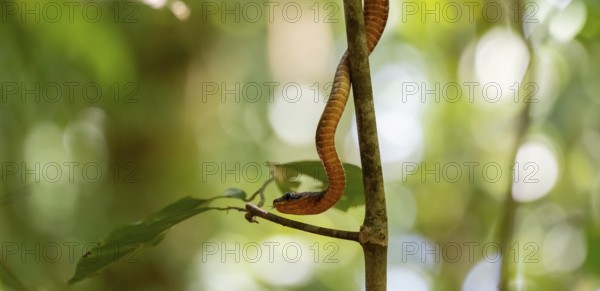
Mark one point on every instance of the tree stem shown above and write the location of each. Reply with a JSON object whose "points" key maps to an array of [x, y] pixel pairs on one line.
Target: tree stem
{"points": [[374, 231]]}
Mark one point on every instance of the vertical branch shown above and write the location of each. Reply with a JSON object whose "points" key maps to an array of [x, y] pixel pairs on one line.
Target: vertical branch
{"points": [[374, 231], [510, 205], [507, 224]]}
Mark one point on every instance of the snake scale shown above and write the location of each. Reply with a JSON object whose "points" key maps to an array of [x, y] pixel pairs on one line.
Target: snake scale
{"points": [[305, 203]]}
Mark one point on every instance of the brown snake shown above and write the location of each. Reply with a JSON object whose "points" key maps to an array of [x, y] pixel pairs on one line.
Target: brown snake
{"points": [[375, 14]]}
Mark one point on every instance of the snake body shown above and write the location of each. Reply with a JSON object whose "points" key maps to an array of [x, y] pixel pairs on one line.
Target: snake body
{"points": [[305, 203]]}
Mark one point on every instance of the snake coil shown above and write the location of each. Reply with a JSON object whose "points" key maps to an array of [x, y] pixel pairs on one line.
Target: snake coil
{"points": [[305, 203]]}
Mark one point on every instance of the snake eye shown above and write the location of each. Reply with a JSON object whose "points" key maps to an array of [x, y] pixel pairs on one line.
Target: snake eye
{"points": [[289, 196]]}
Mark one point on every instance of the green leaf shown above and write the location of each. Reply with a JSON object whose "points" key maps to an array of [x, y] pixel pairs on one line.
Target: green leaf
{"points": [[235, 193], [128, 239], [286, 176]]}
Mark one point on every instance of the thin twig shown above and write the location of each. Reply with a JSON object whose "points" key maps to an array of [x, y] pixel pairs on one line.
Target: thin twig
{"points": [[240, 209], [253, 211], [261, 191]]}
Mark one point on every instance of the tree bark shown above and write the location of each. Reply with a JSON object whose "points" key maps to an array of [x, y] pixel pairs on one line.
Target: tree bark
{"points": [[374, 231]]}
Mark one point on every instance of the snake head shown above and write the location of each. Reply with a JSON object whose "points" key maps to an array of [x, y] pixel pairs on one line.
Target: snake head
{"points": [[297, 203]]}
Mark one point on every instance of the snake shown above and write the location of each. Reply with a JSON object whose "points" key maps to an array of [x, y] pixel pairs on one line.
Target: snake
{"points": [[307, 203]]}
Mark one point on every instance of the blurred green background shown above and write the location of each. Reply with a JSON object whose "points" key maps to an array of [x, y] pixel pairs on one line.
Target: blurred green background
{"points": [[111, 110]]}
